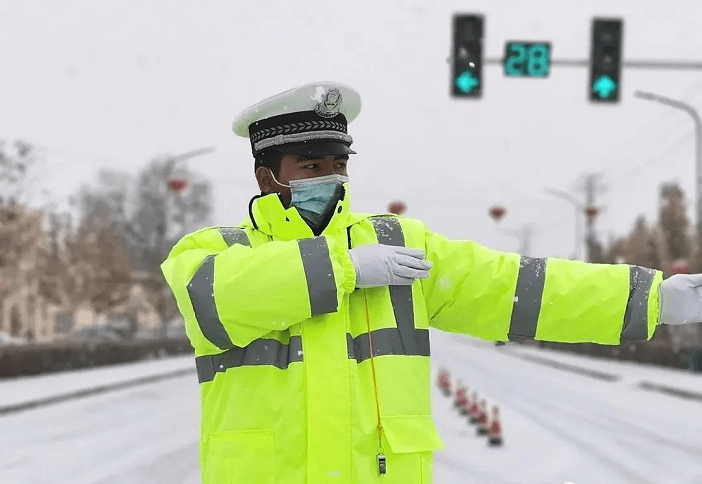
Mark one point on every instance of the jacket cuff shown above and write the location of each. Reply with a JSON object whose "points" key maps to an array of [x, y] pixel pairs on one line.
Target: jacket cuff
{"points": [[348, 272], [654, 304]]}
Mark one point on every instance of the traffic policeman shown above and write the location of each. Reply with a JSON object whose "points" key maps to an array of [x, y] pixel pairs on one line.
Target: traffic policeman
{"points": [[310, 322]]}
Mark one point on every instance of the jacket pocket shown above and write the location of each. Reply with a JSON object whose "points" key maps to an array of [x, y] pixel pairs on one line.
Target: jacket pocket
{"points": [[240, 457], [411, 440], [411, 433]]}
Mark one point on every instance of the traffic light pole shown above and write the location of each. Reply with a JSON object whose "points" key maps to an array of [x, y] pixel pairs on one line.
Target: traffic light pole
{"points": [[698, 144], [634, 64], [579, 209]]}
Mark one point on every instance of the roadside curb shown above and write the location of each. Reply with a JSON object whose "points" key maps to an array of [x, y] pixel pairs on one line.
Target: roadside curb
{"points": [[43, 402], [600, 375], [644, 385], [677, 392]]}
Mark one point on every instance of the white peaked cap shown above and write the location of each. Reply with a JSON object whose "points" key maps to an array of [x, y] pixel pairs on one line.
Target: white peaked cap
{"points": [[308, 119], [303, 98]]}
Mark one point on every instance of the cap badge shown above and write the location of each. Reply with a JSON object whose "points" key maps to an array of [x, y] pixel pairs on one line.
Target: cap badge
{"points": [[330, 104]]}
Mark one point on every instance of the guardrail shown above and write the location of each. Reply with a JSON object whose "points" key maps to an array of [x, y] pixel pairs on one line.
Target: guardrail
{"points": [[644, 352]]}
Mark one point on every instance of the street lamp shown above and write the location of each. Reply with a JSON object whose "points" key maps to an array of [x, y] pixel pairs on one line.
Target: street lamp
{"points": [[496, 212], [698, 143], [172, 161], [578, 215], [524, 237], [176, 185]]}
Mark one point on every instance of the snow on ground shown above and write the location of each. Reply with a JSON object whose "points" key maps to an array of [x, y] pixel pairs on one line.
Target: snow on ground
{"points": [[16, 391], [559, 426], [143, 434]]}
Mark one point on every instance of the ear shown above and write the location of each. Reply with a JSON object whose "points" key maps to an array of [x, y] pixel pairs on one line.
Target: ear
{"points": [[265, 180]]}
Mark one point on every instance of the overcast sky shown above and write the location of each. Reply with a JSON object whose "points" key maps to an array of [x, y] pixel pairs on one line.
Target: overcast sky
{"points": [[112, 84]]}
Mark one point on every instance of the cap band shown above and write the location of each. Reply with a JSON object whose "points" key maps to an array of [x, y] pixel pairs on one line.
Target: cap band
{"points": [[299, 127], [283, 139]]}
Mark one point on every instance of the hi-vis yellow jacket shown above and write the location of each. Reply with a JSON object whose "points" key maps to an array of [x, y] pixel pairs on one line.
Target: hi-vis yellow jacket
{"points": [[298, 370]]}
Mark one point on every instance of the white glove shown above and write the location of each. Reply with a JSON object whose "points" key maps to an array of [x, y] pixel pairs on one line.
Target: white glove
{"points": [[681, 299], [387, 265]]}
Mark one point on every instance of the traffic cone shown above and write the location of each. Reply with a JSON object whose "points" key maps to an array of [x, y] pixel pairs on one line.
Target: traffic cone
{"points": [[474, 409], [464, 404], [482, 419], [445, 382], [460, 394], [495, 431]]}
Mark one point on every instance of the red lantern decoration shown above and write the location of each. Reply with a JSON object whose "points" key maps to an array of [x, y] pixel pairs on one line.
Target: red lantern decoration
{"points": [[177, 184], [397, 207], [497, 212], [591, 211], [679, 267]]}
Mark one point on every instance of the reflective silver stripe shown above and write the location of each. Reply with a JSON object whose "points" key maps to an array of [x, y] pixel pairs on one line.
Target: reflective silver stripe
{"points": [[259, 352], [301, 137], [636, 316], [233, 235], [320, 275], [387, 341], [527, 298], [389, 232], [201, 291], [350, 346]]}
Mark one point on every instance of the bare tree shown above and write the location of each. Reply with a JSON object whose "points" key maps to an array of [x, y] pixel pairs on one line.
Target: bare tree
{"points": [[16, 162], [616, 252], [654, 249], [637, 244], [128, 225], [674, 222], [163, 215], [596, 250]]}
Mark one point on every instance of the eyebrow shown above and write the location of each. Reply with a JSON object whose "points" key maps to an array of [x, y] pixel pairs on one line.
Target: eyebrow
{"points": [[310, 158]]}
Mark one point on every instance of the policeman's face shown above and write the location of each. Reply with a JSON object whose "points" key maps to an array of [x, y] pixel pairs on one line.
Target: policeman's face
{"points": [[297, 167]]}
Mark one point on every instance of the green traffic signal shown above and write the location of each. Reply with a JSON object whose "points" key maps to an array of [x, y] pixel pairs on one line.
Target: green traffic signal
{"points": [[604, 86], [466, 82]]}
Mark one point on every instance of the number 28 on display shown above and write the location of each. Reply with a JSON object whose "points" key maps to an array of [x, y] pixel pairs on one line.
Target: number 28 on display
{"points": [[527, 59]]}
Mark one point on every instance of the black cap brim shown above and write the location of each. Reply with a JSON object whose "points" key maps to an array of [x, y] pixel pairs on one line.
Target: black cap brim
{"points": [[315, 148]]}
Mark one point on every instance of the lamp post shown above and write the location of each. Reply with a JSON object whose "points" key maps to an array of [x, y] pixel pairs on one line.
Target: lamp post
{"points": [[578, 215], [175, 185], [524, 237], [496, 212], [698, 145]]}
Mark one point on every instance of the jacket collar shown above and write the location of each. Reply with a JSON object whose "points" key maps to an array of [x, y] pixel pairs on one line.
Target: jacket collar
{"points": [[270, 217]]}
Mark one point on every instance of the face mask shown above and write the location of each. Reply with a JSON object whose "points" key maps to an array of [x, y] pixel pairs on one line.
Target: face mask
{"points": [[312, 197]]}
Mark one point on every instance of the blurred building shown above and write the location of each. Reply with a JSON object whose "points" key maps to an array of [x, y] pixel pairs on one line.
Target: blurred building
{"points": [[24, 312], [30, 312]]}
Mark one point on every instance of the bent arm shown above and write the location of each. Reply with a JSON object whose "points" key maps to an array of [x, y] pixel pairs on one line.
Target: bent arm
{"points": [[230, 296]]}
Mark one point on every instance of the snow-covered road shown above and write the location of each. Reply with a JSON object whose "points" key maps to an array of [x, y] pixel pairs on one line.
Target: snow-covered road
{"points": [[559, 425], [146, 434]]}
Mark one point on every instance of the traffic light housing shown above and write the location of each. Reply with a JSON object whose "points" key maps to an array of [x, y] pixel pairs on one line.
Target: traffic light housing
{"points": [[606, 60], [467, 56]]}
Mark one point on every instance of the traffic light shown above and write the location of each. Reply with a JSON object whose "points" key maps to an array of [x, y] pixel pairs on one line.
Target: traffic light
{"points": [[467, 56], [606, 60]]}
